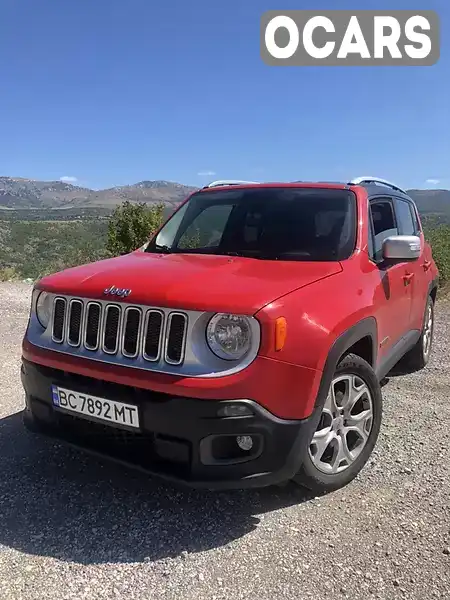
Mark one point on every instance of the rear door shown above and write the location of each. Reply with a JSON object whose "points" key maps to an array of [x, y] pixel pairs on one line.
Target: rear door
{"points": [[408, 224], [393, 294]]}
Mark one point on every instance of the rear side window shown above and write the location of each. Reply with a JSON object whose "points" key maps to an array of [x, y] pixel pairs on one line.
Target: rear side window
{"points": [[384, 225], [405, 217]]}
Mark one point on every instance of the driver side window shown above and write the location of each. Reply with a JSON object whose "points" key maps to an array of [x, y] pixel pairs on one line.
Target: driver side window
{"points": [[383, 225]]}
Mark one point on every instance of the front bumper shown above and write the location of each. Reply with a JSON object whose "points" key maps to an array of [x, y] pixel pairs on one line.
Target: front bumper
{"points": [[181, 439]]}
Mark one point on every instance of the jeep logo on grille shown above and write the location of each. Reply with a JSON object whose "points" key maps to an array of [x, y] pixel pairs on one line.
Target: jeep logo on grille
{"points": [[114, 291]]}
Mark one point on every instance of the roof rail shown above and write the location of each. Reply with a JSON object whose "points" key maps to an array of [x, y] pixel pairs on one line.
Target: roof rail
{"points": [[221, 182], [362, 180]]}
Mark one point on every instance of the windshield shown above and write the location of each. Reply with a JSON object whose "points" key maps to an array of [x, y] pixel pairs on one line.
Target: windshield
{"points": [[310, 224]]}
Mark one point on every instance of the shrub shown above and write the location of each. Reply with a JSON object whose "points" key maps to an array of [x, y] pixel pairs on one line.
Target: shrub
{"points": [[439, 238], [131, 226], [8, 274]]}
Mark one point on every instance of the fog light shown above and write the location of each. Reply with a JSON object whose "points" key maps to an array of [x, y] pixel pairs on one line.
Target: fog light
{"points": [[230, 449], [234, 410], [244, 442]]}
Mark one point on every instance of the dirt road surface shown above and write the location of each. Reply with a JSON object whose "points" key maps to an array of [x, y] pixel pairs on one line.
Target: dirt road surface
{"points": [[73, 527]]}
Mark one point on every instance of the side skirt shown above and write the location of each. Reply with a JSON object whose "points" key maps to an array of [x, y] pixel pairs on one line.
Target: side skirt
{"points": [[397, 352]]}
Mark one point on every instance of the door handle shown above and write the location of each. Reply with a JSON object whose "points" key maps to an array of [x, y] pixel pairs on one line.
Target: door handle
{"points": [[407, 278], [426, 265]]}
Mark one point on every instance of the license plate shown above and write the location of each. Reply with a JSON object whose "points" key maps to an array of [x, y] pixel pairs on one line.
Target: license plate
{"points": [[95, 409]]}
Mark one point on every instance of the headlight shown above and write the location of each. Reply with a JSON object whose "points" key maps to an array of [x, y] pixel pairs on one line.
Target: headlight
{"points": [[229, 336], [43, 309]]}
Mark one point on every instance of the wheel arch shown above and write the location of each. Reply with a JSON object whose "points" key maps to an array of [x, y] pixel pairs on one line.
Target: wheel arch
{"points": [[360, 339], [433, 288]]}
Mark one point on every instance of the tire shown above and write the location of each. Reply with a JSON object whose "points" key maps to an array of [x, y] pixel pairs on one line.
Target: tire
{"points": [[328, 467], [418, 357]]}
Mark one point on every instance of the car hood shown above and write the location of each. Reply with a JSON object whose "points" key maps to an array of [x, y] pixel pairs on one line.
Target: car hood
{"points": [[190, 282]]}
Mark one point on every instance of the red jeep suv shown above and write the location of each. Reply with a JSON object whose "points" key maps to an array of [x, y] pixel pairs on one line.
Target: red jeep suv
{"points": [[246, 343]]}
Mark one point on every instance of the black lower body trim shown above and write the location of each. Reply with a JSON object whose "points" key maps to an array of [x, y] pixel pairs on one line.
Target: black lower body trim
{"points": [[181, 439], [396, 353]]}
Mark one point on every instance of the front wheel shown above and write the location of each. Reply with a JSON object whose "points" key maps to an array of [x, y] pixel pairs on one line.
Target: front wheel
{"points": [[347, 430]]}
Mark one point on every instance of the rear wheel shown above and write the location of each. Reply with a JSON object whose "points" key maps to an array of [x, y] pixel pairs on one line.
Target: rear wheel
{"points": [[417, 358], [347, 430]]}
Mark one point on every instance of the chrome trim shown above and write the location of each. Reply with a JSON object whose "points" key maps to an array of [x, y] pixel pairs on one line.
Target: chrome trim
{"points": [[88, 305], [124, 329], [198, 360], [52, 319], [67, 329], [167, 334], [161, 335], [115, 291], [119, 328]]}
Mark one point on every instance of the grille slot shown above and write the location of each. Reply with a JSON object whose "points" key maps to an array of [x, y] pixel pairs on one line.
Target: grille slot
{"points": [[92, 330], [111, 329], [176, 338], [75, 319], [152, 334], [130, 342], [59, 317]]}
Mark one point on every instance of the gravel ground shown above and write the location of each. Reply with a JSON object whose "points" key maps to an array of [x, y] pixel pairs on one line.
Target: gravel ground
{"points": [[72, 527]]}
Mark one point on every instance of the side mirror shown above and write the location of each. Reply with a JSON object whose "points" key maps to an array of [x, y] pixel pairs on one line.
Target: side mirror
{"points": [[401, 247]]}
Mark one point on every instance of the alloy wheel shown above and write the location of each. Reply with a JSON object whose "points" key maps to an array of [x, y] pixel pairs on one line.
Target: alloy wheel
{"points": [[345, 425]]}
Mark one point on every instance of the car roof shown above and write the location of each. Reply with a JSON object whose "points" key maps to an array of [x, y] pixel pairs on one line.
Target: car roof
{"points": [[374, 186], [277, 184]]}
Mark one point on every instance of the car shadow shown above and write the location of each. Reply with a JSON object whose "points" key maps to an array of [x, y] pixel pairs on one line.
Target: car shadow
{"points": [[59, 502], [401, 369]]}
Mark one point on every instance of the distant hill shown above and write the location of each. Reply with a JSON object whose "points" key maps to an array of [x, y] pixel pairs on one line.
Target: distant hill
{"points": [[432, 202], [19, 193], [16, 192]]}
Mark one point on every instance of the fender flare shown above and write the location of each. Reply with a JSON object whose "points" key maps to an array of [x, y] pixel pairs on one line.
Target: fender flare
{"points": [[433, 285], [358, 331]]}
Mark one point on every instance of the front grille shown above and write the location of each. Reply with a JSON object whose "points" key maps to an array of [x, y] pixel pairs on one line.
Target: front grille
{"points": [[75, 316], [153, 328], [59, 312], [111, 329], [131, 332], [114, 329], [177, 327], [92, 331]]}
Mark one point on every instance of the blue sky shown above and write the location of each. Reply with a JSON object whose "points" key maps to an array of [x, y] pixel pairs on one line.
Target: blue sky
{"points": [[112, 92]]}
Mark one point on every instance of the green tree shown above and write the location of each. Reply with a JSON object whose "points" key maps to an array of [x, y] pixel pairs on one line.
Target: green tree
{"points": [[439, 238], [131, 225]]}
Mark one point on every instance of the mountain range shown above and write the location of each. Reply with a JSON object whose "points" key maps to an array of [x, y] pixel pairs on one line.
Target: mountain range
{"points": [[17, 193], [20, 193]]}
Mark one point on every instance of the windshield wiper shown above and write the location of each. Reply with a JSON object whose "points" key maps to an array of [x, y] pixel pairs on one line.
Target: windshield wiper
{"points": [[163, 249], [229, 253], [243, 254]]}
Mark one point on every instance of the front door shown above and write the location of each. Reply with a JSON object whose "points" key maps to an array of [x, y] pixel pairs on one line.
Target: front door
{"points": [[393, 295]]}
